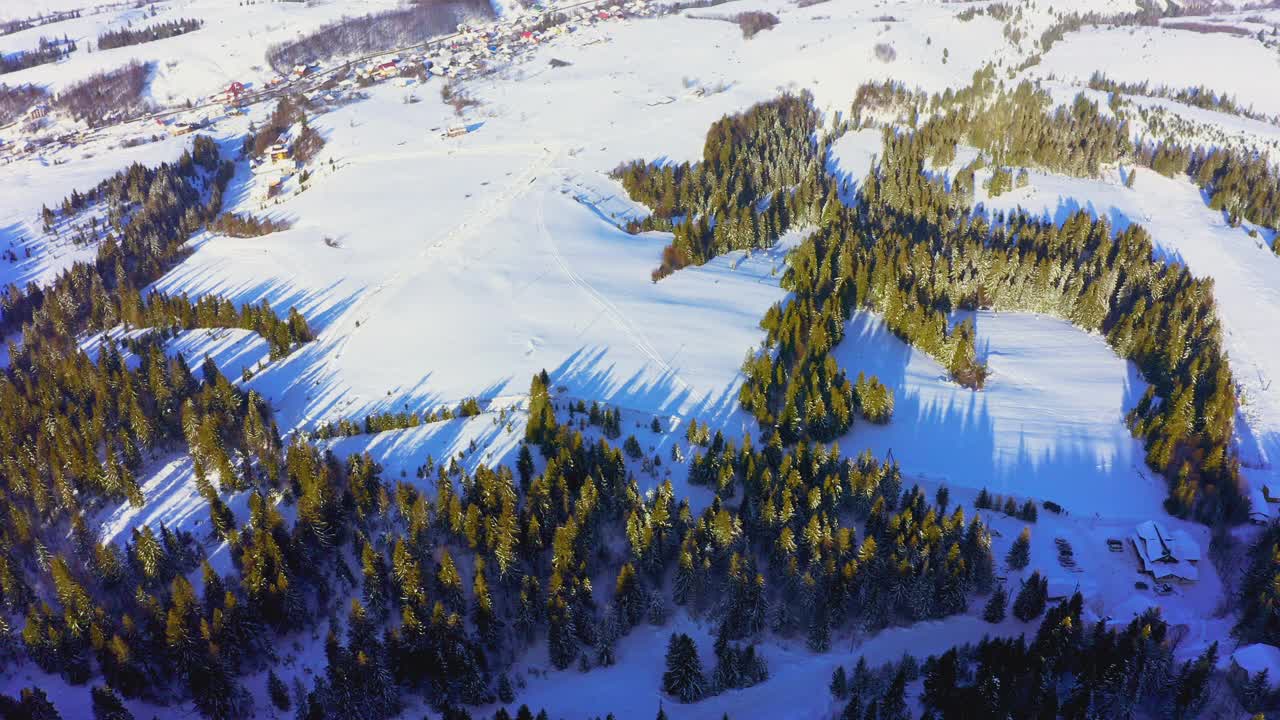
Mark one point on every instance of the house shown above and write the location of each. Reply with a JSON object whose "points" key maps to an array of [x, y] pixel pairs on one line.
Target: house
{"points": [[233, 92], [387, 69], [278, 152], [456, 131], [1166, 555], [1255, 658]]}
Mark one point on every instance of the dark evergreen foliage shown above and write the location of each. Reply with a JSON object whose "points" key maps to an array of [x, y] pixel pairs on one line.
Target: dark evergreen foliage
{"points": [[683, 678], [994, 611], [1260, 591], [47, 51], [1032, 598], [130, 35]]}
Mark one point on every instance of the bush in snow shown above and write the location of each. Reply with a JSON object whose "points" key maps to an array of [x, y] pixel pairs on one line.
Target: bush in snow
{"points": [[755, 21]]}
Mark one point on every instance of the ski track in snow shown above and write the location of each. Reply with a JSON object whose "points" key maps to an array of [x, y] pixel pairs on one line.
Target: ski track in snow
{"points": [[339, 334], [607, 307]]}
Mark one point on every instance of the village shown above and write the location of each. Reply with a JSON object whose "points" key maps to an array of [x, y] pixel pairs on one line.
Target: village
{"points": [[474, 50]]}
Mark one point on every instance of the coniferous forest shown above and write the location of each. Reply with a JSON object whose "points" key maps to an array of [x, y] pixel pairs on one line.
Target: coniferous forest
{"points": [[159, 31], [912, 249]]}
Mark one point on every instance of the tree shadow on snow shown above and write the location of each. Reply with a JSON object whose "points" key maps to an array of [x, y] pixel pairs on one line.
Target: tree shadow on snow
{"points": [[948, 434]]}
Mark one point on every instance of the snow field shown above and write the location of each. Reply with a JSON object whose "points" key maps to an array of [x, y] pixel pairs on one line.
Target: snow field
{"points": [[1165, 57]]}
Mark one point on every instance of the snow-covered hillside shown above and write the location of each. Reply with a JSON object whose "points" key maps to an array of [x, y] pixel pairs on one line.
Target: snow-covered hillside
{"points": [[443, 255]]}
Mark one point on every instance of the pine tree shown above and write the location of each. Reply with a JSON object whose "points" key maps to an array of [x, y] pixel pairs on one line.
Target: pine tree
{"points": [[839, 683], [506, 693], [1031, 598], [606, 640], [893, 706], [683, 678], [32, 704], [995, 607], [1020, 552], [1191, 688], [524, 465], [984, 500], [277, 691], [107, 705], [629, 598], [1254, 693]]}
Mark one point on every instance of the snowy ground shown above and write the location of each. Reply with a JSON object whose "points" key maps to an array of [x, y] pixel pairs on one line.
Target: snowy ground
{"points": [[230, 45], [1245, 270], [232, 350], [30, 184], [1164, 57], [1049, 424]]}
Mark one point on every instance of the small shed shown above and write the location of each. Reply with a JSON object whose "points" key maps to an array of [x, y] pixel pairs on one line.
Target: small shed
{"points": [[1060, 587]]}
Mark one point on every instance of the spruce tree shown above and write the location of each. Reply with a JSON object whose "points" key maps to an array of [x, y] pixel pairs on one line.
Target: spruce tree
{"points": [[839, 683], [506, 693], [995, 607], [1031, 598], [277, 691], [1020, 552], [107, 705], [683, 678], [1191, 688]]}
